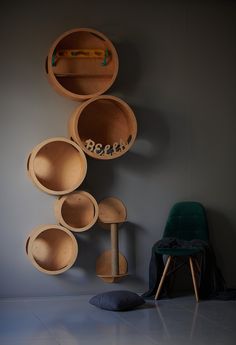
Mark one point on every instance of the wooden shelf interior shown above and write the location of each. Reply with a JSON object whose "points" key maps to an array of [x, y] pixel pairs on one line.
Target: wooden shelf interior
{"points": [[58, 166], [52, 250], [77, 211], [84, 76], [105, 120]]}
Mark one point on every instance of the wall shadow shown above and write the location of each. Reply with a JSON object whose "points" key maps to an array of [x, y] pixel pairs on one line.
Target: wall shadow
{"points": [[89, 249], [151, 146], [223, 238], [149, 152], [129, 67], [100, 177]]}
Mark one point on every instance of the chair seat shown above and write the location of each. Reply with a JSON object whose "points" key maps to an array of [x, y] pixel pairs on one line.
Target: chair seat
{"points": [[178, 251]]}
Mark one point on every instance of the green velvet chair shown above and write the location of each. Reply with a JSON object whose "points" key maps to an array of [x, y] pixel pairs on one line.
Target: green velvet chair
{"points": [[187, 223]]}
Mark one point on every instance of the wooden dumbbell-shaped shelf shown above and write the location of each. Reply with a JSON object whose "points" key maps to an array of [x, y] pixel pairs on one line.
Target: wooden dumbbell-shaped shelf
{"points": [[111, 265]]}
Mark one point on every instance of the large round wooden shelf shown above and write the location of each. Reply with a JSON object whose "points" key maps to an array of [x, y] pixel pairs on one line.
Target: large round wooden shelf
{"points": [[57, 166], [82, 63], [105, 127], [104, 267], [77, 211], [52, 249]]}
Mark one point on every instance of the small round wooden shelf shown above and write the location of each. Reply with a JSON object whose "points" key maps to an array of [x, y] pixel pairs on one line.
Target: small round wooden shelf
{"points": [[57, 166], [104, 267], [105, 127], [52, 249], [112, 211], [77, 211], [82, 63]]}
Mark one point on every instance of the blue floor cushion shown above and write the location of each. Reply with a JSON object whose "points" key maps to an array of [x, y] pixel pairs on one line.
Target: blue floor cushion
{"points": [[117, 300]]}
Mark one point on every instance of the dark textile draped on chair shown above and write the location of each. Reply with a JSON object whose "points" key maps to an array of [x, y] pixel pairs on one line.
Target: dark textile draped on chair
{"points": [[186, 236], [212, 284]]}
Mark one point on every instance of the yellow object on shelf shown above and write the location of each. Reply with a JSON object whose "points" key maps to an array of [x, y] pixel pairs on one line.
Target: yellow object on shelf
{"points": [[81, 53]]}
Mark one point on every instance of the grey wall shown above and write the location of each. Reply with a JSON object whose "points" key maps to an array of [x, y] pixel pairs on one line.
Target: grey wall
{"points": [[178, 72]]}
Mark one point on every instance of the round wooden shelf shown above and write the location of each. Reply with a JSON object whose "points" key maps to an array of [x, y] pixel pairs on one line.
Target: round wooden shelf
{"points": [[77, 211], [104, 267], [57, 166], [82, 63], [111, 211], [52, 249], [105, 127]]}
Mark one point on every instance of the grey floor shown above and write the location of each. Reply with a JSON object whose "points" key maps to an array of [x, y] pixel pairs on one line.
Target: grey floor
{"points": [[73, 321]]}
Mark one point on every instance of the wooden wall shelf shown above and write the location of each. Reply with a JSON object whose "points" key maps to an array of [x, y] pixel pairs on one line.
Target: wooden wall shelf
{"points": [[92, 76], [105, 127], [57, 166], [52, 249], [77, 211]]}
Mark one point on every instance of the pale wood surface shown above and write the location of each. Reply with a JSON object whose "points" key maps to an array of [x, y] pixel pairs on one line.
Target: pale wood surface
{"points": [[52, 249], [163, 276], [193, 278], [114, 250], [57, 166], [105, 127], [77, 211], [112, 210], [113, 278], [104, 267], [90, 77]]}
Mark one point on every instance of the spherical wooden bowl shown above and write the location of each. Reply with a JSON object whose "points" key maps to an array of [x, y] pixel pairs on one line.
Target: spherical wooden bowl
{"points": [[82, 63], [105, 127], [77, 211], [52, 249], [57, 166]]}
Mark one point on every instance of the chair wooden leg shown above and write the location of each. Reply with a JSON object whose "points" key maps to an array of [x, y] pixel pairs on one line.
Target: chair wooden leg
{"points": [[194, 278], [163, 276], [197, 265]]}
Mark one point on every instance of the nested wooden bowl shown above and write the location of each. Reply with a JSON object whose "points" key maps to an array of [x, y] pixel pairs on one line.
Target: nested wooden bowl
{"points": [[77, 211], [105, 127], [52, 249], [82, 63], [57, 166]]}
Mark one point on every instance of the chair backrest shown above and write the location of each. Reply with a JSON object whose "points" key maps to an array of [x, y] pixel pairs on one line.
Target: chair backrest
{"points": [[187, 221]]}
